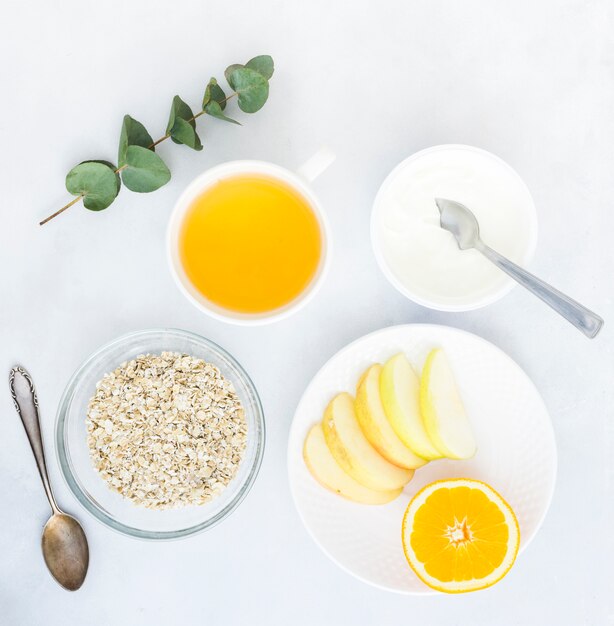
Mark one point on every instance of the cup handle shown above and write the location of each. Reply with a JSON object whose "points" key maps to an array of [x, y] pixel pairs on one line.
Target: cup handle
{"points": [[317, 164]]}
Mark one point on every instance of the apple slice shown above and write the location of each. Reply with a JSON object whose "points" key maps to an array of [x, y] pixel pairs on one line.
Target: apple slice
{"points": [[329, 474], [400, 390], [442, 409], [375, 425], [354, 453]]}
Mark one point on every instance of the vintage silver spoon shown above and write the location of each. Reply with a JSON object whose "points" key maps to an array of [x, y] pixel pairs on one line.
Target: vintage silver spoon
{"points": [[461, 222], [64, 544]]}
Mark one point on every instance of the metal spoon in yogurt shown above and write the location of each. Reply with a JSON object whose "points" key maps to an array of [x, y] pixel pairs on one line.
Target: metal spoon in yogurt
{"points": [[461, 222], [64, 543]]}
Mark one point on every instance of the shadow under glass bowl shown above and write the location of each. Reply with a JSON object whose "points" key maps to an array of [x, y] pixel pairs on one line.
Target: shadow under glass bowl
{"points": [[109, 507]]}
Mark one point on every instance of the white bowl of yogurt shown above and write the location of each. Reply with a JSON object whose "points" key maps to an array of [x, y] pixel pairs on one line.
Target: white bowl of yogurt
{"points": [[420, 258]]}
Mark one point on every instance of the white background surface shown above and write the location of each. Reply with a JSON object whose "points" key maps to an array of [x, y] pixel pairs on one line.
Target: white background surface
{"points": [[531, 81]]}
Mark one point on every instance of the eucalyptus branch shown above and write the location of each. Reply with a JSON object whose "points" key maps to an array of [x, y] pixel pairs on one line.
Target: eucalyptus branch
{"points": [[97, 183]]}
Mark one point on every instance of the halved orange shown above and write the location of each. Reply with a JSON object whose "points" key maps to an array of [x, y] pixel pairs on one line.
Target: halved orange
{"points": [[460, 535]]}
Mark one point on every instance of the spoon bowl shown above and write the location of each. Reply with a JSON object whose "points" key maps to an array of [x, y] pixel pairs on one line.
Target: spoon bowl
{"points": [[460, 221], [65, 550]]}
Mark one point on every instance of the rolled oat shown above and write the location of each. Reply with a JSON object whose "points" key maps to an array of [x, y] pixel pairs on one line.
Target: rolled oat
{"points": [[166, 430]]}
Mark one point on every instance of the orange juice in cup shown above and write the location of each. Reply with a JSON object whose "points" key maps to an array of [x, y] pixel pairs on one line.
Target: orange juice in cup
{"points": [[248, 242]]}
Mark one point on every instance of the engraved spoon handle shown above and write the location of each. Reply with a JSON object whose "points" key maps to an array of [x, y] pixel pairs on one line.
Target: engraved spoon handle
{"points": [[582, 318], [26, 403]]}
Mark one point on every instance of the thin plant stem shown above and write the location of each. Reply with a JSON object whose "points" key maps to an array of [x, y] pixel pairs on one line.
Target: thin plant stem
{"points": [[66, 206], [155, 143]]}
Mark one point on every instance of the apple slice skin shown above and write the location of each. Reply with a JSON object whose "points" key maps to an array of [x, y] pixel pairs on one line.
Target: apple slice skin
{"points": [[375, 424], [353, 452], [400, 391], [329, 474], [442, 409]]}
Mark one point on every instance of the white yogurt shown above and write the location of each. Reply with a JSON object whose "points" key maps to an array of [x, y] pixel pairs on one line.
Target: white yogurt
{"points": [[420, 258]]}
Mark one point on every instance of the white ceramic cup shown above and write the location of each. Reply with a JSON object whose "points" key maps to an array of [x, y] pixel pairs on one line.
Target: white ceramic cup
{"points": [[300, 182]]}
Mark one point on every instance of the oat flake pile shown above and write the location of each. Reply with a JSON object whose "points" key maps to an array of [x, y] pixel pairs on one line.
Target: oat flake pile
{"points": [[166, 430]]}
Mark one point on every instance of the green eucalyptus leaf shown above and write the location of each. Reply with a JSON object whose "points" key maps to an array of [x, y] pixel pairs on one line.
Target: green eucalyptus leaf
{"points": [[179, 109], [252, 88], [214, 93], [144, 170], [113, 167], [228, 72], [133, 134], [181, 125], [183, 132], [96, 181], [215, 110], [262, 64]]}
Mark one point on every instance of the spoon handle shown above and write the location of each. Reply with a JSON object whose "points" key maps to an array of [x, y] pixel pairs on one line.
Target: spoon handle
{"points": [[582, 318], [26, 403]]}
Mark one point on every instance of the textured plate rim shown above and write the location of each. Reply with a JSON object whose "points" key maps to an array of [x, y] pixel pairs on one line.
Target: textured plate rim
{"points": [[348, 348]]}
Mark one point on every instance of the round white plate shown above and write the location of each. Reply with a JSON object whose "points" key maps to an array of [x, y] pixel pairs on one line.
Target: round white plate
{"points": [[516, 450]]}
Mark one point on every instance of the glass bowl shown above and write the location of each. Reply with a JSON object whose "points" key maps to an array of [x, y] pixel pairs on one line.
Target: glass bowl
{"points": [[90, 489]]}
